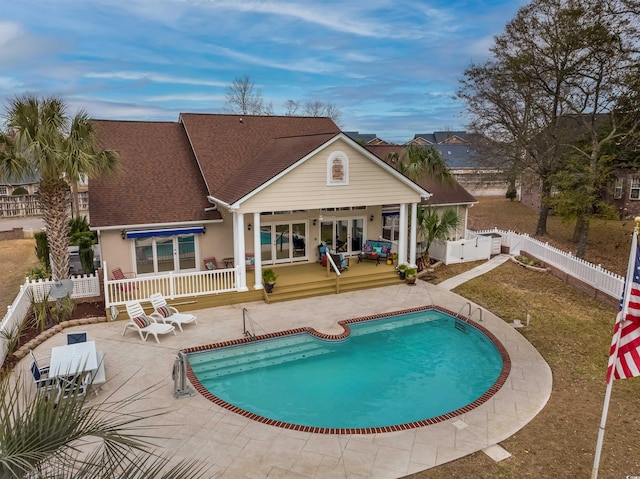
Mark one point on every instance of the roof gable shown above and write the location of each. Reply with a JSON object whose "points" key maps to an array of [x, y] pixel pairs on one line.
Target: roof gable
{"points": [[229, 148]]}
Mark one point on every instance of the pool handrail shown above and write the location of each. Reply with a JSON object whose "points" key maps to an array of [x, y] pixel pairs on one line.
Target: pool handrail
{"points": [[471, 313]]}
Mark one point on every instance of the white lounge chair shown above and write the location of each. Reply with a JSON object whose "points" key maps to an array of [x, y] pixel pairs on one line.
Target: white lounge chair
{"points": [[145, 324], [169, 314]]}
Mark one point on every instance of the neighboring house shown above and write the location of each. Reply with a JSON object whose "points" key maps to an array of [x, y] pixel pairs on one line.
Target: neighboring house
{"points": [[624, 192], [444, 196], [457, 149], [365, 138], [29, 183], [15, 202], [232, 186]]}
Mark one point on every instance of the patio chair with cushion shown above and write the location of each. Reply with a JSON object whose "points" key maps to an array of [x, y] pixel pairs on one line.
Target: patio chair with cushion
{"points": [[340, 261], [145, 324], [73, 385], [77, 337], [169, 314], [211, 264], [118, 274], [41, 375]]}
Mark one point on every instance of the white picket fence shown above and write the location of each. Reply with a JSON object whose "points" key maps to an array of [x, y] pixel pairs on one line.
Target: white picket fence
{"points": [[83, 287], [595, 276], [173, 285]]}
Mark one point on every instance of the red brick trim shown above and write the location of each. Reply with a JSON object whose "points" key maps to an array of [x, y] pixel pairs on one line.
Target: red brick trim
{"points": [[502, 377]]}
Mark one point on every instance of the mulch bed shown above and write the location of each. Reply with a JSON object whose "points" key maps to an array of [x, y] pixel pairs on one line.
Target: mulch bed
{"points": [[95, 309]]}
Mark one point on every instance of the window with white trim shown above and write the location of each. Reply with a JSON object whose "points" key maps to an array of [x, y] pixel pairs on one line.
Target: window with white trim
{"points": [[4, 191], [634, 191], [337, 169], [617, 188]]}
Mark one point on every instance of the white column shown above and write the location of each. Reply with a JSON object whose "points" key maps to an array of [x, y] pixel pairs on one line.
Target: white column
{"points": [[239, 250], [402, 235], [414, 237], [257, 251]]}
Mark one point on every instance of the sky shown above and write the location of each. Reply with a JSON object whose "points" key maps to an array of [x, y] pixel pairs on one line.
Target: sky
{"points": [[392, 67]]}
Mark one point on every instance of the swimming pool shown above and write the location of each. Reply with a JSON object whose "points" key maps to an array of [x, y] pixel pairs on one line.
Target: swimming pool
{"points": [[384, 373]]}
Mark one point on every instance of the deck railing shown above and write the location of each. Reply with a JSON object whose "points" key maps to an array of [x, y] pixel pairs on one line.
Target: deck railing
{"points": [[171, 285]]}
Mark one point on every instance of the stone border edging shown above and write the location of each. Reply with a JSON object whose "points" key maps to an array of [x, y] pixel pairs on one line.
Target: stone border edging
{"points": [[23, 350]]}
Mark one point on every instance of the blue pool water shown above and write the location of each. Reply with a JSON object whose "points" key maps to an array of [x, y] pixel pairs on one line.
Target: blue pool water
{"points": [[389, 371]]}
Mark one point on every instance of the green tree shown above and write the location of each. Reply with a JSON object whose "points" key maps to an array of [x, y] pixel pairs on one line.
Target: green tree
{"points": [[433, 226], [74, 438], [82, 156], [40, 138], [556, 60]]}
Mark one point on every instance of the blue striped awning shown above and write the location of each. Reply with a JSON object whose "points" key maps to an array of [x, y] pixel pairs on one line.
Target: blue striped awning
{"points": [[130, 234]]}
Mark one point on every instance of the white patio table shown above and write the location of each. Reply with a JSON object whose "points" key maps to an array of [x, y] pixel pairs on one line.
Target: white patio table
{"points": [[73, 359]]}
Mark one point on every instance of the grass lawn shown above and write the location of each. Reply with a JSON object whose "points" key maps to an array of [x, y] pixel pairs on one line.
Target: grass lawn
{"points": [[16, 257], [573, 333]]}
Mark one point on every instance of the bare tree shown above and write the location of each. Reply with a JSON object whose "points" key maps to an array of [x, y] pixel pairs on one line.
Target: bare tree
{"points": [[557, 59], [291, 107], [318, 108], [244, 98]]}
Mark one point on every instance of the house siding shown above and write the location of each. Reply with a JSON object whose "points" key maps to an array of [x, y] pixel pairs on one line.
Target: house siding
{"points": [[305, 187]]}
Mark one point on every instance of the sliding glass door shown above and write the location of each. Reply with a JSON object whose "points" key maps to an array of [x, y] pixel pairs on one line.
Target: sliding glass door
{"points": [[162, 254], [344, 235], [283, 242]]}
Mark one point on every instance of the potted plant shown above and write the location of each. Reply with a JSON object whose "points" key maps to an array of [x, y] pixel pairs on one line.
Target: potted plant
{"points": [[269, 279], [411, 276], [402, 271]]}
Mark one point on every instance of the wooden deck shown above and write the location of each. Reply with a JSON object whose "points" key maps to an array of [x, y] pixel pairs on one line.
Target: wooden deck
{"points": [[296, 281]]}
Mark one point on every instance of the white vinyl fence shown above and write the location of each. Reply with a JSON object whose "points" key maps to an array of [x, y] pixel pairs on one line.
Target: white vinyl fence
{"points": [[589, 273], [461, 251], [83, 287]]}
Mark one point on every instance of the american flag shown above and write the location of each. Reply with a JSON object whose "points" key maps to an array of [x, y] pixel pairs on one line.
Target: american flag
{"points": [[624, 356]]}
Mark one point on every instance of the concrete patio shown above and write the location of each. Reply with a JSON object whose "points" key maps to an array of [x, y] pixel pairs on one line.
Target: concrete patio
{"points": [[237, 447]]}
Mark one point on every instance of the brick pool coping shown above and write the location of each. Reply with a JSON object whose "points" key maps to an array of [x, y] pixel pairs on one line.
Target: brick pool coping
{"points": [[502, 377]]}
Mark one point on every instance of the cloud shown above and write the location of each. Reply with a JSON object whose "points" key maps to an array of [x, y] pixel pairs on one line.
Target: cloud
{"points": [[340, 17], [19, 47], [154, 77]]}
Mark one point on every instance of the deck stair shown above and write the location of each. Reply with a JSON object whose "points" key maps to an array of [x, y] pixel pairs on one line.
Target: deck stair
{"points": [[231, 360], [329, 285]]}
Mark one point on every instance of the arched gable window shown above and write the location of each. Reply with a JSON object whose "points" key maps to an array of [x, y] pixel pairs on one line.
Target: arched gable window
{"points": [[337, 169]]}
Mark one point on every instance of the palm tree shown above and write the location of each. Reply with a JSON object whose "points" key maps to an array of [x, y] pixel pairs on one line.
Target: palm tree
{"points": [[416, 162], [77, 439], [83, 157], [41, 139], [433, 226]]}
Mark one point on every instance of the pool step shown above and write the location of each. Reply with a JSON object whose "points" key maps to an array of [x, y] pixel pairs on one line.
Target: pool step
{"points": [[239, 361]]}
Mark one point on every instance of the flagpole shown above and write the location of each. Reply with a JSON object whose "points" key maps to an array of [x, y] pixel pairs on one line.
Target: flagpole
{"points": [[607, 397]]}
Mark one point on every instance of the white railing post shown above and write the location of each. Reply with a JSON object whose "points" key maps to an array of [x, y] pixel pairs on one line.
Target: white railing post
{"points": [[105, 282]]}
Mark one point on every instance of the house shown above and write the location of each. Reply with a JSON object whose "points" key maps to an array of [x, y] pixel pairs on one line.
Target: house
{"points": [[251, 191], [443, 196], [18, 196], [467, 165], [365, 138]]}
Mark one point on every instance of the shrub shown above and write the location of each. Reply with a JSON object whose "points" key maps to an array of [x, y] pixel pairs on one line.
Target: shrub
{"points": [[511, 194], [42, 248]]}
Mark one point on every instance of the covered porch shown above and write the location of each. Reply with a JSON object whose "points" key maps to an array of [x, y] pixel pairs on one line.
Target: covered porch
{"points": [[206, 289]]}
